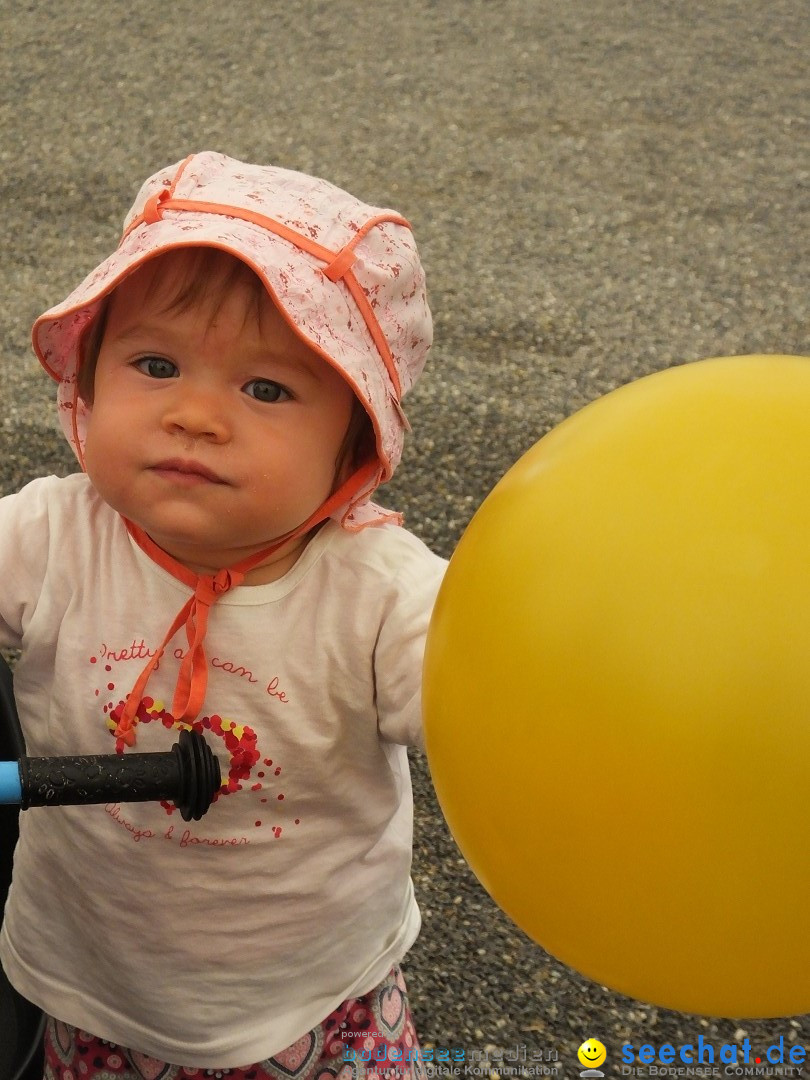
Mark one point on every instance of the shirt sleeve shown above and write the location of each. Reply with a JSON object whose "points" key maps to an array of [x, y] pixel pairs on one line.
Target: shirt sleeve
{"points": [[401, 648], [24, 544]]}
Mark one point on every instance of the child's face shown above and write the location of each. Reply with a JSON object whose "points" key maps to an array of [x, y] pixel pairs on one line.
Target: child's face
{"points": [[214, 428]]}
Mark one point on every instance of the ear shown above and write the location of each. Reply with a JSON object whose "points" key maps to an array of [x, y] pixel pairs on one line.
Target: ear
{"points": [[345, 466], [359, 446]]}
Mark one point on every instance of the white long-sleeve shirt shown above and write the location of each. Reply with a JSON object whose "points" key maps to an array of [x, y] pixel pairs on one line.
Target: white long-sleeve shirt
{"points": [[214, 943]]}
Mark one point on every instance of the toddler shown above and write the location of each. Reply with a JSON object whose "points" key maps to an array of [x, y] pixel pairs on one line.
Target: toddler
{"points": [[230, 380]]}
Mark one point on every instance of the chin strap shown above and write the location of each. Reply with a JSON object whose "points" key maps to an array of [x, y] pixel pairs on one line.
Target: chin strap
{"points": [[192, 679]]}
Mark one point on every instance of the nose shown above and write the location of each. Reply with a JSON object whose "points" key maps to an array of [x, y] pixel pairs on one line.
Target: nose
{"points": [[197, 413]]}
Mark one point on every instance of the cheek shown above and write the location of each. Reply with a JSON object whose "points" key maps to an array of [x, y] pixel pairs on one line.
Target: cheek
{"points": [[105, 444], [339, 422], [93, 439], [97, 458], [97, 436]]}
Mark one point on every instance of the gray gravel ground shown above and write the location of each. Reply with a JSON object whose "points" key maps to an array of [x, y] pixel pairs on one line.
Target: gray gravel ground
{"points": [[600, 188]]}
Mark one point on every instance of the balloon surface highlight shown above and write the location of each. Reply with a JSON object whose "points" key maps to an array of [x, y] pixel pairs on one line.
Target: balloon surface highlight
{"points": [[617, 689]]}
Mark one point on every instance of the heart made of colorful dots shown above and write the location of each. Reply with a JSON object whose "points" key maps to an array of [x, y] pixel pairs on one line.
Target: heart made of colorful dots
{"points": [[239, 740]]}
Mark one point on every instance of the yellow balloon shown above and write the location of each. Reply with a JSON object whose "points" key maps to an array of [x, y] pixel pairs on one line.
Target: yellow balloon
{"points": [[617, 689]]}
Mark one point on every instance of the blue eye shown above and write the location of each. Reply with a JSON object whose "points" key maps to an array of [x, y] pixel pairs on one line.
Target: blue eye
{"points": [[157, 367], [266, 390]]}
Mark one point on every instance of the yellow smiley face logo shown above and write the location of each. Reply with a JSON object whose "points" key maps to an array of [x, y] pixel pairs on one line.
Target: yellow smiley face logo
{"points": [[592, 1054]]}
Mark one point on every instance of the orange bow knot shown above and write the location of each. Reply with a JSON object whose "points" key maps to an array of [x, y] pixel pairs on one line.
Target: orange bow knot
{"points": [[209, 588]]}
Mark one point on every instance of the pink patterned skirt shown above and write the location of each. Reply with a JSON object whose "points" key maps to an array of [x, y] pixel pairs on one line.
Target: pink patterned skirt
{"points": [[367, 1038]]}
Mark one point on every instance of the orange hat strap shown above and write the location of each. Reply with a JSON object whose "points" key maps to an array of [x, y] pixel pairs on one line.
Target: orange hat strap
{"points": [[192, 680]]}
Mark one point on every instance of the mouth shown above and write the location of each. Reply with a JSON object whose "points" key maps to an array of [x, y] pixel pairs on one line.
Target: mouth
{"points": [[181, 471]]}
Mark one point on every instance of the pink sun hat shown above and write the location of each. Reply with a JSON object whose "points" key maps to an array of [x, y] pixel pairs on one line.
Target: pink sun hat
{"points": [[345, 275]]}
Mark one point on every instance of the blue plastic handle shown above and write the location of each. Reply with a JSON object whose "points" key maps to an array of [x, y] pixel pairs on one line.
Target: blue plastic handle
{"points": [[10, 783]]}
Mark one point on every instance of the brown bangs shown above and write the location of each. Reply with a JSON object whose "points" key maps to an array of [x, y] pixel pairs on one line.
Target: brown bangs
{"points": [[191, 277]]}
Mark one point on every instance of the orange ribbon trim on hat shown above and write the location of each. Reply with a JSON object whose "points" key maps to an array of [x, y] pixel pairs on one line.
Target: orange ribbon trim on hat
{"points": [[192, 679], [338, 263]]}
